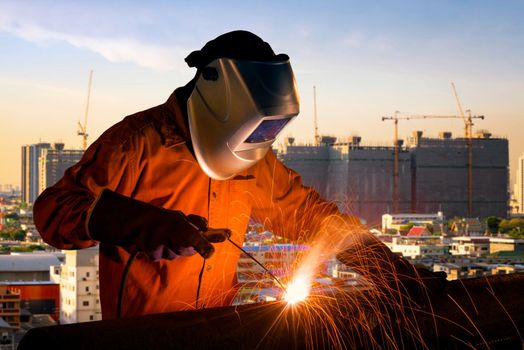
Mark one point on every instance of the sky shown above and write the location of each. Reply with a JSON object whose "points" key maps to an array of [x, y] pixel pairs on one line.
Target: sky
{"points": [[367, 59]]}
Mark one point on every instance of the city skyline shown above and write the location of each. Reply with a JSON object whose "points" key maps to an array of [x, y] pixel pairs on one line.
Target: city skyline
{"points": [[366, 61]]}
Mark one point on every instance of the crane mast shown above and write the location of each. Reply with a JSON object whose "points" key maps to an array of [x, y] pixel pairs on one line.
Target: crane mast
{"points": [[82, 128], [468, 135], [317, 137], [395, 119]]}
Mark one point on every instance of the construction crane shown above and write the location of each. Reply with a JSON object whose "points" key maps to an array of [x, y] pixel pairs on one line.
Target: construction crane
{"points": [[82, 128], [395, 119], [315, 121], [468, 133]]}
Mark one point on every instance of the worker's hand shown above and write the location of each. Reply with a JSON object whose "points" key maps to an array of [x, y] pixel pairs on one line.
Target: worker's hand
{"points": [[160, 233], [390, 273]]}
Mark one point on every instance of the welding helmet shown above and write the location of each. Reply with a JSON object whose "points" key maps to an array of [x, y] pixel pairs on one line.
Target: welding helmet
{"points": [[237, 109]]}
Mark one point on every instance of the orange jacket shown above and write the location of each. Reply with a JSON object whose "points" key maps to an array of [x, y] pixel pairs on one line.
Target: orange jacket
{"points": [[146, 157]]}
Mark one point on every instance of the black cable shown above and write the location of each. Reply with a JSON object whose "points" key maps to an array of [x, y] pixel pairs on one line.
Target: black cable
{"points": [[199, 283], [123, 285]]}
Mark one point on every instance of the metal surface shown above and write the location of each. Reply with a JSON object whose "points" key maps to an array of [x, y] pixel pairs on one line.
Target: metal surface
{"points": [[482, 313]]}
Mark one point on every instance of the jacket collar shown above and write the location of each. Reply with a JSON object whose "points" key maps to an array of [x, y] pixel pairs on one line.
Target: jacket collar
{"points": [[175, 127]]}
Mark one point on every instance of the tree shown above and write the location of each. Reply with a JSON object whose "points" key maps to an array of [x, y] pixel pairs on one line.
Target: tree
{"points": [[12, 233], [12, 216], [516, 234], [513, 226], [492, 222], [517, 222], [18, 235], [504, 226]]}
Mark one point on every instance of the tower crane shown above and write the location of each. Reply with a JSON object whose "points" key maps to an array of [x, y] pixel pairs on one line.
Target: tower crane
{"points": [[317, 137], [395, 119], [468, 135], [82, 128]]}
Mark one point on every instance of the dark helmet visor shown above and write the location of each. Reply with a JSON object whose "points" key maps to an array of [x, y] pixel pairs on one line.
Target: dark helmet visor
{"points": [[267, 130]]}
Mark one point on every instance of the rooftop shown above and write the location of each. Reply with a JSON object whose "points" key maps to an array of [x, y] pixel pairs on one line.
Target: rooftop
{"points": [[27, 262], [27, 283]]}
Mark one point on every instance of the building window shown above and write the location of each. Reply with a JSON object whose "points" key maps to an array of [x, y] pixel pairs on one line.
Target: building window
{"points": [[87, 288], [87, 274], [85, 303], [91, 317]]}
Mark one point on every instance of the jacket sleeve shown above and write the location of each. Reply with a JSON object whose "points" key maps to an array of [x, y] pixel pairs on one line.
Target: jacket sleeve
{"points": [[60, 212], [285, 206]]}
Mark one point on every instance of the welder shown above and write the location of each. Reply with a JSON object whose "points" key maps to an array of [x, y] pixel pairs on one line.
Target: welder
{"points": [[167, 185]]}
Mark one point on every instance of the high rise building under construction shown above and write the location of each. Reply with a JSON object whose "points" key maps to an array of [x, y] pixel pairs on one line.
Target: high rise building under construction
{"points": [[43, 165], [432, 175]]}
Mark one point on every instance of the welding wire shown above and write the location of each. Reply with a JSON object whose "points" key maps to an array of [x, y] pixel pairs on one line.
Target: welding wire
{"points": [[250, 256], [259, 263]]}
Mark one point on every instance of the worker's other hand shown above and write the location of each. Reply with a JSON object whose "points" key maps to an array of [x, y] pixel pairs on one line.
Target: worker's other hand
{"points": [[159, 233], [388, 272]]}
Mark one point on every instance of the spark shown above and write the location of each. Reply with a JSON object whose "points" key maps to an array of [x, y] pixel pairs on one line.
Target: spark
{"points": [[298, 290]]}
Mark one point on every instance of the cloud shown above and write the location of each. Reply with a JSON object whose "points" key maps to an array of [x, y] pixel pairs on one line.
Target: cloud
{"points": [[118, 49], [42, 87]]}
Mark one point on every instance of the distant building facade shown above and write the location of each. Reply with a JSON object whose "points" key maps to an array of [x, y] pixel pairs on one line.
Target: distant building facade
{"points": [[10, 306], [53, 163], [518, 190], [43, 165], [467, 227], [27, 275], [79, 286], [512, 245], [359, 179], [414, 247], [470, 246], [460, 270], [432, 175], [18, 267], [400, 222], [37, 297], [30, 174]]}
